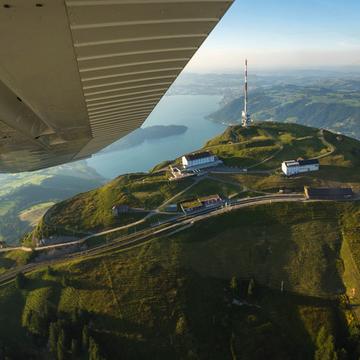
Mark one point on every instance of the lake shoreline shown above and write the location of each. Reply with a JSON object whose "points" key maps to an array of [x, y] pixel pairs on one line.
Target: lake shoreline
{"points": [[183, 110]]}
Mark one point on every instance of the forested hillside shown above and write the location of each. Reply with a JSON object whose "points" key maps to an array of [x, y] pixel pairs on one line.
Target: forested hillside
{"points": [[173, 297], [22, 195]]}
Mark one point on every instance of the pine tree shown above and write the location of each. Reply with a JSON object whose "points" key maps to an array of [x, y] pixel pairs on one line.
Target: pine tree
{"points": [[53, 337], [74, 317], [61, 346], [251, 287], [20, 280], [50, 271], [234, 285], [181, 326], [2, 351], [85, 337], [94, 350], [325, 346], [74, 347], [321, 337], [36, 324], [342, 354], [80, 315], [64, 281], [330, 352]]}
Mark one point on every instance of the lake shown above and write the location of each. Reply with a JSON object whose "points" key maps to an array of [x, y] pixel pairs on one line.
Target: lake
{"points": [[188, 110]]}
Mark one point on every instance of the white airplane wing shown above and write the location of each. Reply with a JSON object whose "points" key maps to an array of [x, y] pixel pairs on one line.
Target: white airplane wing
{"points": [[76, 75]]}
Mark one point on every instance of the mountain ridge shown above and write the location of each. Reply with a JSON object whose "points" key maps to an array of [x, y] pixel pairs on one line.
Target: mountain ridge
{"points": [[269, 280], [337, 109], [239, 147]]}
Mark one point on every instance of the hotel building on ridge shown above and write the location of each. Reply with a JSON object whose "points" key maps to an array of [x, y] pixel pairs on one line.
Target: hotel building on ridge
{"points": [[294, 167]]}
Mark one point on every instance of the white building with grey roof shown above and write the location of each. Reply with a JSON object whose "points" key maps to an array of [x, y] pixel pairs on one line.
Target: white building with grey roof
{"points": [[199, 160], [294, 167]]}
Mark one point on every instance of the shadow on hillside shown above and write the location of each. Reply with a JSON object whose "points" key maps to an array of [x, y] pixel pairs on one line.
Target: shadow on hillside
{"points": [[331, 280], [87, 285], [7, 263], [337, 173], [269, 323], [133, 340]]}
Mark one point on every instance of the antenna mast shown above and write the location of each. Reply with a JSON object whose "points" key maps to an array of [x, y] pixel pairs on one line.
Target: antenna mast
{"points": [[245, 121]]}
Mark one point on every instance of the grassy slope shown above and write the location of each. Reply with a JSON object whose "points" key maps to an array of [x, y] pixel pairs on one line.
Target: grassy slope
{"points": [[91, 211], [21, 191], [350, 253], [272, 243], [140, 295], [14, 258], [210, 186], [341, 168], [34, 214], [247, 147]]}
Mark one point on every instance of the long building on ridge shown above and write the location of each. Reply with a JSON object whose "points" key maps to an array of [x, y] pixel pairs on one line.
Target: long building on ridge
{"points": [[199, 160], [201, 203], [328, 193], [293, 167]]}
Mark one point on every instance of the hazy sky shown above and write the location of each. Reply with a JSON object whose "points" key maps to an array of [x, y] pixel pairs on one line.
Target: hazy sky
{"points": [[283, 33]]}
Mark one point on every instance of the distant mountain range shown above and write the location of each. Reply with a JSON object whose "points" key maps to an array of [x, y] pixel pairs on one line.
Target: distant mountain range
{"points": [[330, 104]]}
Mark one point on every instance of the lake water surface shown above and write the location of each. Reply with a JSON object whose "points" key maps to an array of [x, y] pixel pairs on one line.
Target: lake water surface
{"points": [[188, 110]]}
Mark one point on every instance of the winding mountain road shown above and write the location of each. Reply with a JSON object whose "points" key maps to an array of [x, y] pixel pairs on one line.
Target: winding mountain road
{"points": [[165, 228]]}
